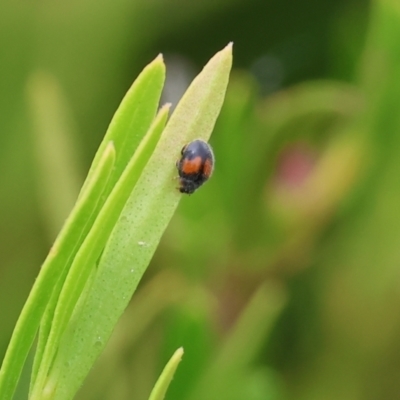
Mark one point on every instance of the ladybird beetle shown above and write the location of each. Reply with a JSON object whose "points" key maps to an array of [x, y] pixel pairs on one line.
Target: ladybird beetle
{"points": [[195, 166]]}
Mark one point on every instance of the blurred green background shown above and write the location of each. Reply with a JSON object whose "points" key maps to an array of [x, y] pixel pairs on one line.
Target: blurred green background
{"points": [[281, 277]]}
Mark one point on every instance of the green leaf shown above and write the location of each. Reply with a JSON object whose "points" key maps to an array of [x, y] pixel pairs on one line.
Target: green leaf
{"points": [[137, 233], [133, 118], [53, 269], [126, 130], [94, 243], [161, 387]]}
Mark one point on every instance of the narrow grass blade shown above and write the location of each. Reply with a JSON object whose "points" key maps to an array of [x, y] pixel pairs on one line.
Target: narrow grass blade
{"points": [[44, 330], [54, 267], [137, 233], [126, 130], [163, 382], [94, 243], [133, 117]]}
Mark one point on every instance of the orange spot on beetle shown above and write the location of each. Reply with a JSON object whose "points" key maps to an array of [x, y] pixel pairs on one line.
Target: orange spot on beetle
{"points": [[192, 166]]}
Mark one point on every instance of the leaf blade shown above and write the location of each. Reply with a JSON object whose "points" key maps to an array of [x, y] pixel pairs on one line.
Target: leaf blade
{"points": [[55, 264], [93, 244], [139, 229], [160, 388]]}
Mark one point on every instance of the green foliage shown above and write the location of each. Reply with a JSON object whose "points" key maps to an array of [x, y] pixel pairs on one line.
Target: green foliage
{"points": [[112, 233], [279, 277], [160, 389]]}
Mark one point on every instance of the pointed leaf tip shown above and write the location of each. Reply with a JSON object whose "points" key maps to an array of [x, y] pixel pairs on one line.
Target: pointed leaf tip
{"points": [[166, 106], [163, 382], [178, 354]]}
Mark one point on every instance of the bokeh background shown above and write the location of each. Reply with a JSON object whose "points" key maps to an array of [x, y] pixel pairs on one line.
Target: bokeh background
{"points": [[281, 276]]}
